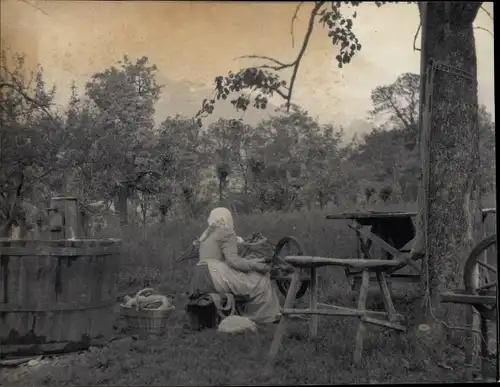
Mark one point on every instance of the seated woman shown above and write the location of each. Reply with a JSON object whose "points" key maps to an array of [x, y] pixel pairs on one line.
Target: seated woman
{"points": [[221, 270]]}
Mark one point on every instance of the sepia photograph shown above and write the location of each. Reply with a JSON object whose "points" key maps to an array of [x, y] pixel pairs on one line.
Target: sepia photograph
{"points": [[209, 193]]}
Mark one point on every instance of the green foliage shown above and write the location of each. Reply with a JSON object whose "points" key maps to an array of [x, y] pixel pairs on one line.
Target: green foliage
{"points": [[340, 31], [26, 123], [250, 79]]}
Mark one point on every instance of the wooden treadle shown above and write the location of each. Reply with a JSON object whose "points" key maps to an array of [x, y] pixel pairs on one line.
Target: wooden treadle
{"points": [[310, 262], [460, 296], [345, 312], [383, 323]]}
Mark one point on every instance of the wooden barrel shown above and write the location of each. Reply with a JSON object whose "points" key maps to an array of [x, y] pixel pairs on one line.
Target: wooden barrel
{"points": [[56, 296]]}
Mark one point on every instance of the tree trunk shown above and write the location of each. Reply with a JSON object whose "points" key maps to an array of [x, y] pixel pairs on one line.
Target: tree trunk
{"points": [[451, 158], [122, 202], [321, 199]]}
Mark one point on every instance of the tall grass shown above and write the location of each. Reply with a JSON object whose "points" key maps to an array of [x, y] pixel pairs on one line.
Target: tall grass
{"points": [[150, 253]]}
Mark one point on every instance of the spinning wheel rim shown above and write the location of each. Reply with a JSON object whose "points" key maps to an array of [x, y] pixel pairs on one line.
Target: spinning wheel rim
{"points": [[283, 285]]}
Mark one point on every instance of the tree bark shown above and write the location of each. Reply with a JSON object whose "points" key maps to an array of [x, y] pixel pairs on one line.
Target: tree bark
{"points": [[122, 202], [453, 200]]}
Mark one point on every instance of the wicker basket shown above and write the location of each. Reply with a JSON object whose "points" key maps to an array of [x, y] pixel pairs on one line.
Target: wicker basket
{"points": [[145, 320]]}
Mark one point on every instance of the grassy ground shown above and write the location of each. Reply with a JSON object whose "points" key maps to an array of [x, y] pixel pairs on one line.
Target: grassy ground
{"points": [[182, 357]]}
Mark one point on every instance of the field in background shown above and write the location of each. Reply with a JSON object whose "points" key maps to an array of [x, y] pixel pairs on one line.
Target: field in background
{"points": [[181, 357]]}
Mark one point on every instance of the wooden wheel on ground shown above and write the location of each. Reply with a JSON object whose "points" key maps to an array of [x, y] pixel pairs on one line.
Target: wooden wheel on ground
{"points": [[288, 246], [486, 259]]}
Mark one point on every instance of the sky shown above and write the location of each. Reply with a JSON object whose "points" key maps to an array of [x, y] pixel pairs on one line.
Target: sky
{"points": [[192, 42]]}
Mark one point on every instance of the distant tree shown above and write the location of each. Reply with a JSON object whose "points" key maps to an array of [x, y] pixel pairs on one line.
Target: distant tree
{"points": [[383, 159], [398, 103], [112, 125], [31, 137], [180, 157], [227, 144], [394, 151], [289, 151]]}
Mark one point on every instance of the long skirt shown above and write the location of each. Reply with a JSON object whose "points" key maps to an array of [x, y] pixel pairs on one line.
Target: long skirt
{"points": [[217, 276]]}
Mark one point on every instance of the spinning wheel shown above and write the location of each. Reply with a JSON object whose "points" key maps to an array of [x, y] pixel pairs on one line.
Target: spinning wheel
{"points": [[282, 271], [487, 261]]}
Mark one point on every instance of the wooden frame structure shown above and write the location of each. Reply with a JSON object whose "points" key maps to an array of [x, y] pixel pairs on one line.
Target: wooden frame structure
{"points": [[388, 318]]}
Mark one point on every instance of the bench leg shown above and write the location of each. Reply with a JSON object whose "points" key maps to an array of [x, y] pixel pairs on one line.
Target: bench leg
{"points": [[363, 294], [280, 331], [313, 298], [484, 346], [386, 297], [472, 323]]}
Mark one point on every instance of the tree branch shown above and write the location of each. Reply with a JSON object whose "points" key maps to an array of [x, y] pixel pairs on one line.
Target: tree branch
{"points": [[396, 109], [415, 37], [280, 65], [484, 29], [487, 12], [293, 22], [36, 7], [302, 51]]}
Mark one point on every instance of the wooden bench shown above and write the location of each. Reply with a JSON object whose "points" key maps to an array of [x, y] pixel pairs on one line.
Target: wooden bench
{"points": [[388, 318]]}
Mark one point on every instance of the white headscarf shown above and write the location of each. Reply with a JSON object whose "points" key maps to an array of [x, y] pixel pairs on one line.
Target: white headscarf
{"points": [[219, 217]]}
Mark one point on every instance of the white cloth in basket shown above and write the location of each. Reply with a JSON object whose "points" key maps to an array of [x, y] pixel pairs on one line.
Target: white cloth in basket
{"points": [[153, 301]]}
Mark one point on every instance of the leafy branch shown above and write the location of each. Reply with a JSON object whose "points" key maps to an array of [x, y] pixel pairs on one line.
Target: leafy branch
{"points": [[264, 78], [28, 99]]}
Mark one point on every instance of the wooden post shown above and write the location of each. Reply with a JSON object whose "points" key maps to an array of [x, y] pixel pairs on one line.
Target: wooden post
{"points": [[83, 217], [360, 336], [64, 220], [313, 297]]}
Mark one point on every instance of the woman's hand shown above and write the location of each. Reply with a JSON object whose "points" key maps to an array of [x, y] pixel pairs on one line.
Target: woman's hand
{"points": [[260, 266], [259, 243]]}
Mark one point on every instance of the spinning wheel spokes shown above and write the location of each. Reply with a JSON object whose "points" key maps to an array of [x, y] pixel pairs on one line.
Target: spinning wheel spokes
{"points": [[487, 286], [482, 260], [288, 246], [486, 266]]}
